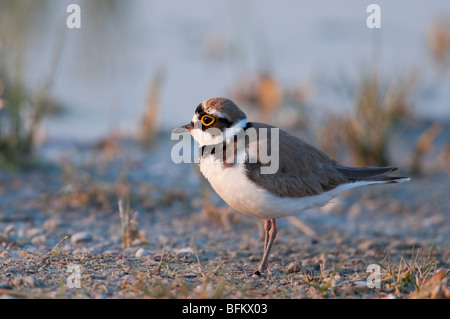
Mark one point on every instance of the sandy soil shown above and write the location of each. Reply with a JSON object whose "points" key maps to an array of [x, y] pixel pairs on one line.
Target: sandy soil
{"points": [[186, 243]]}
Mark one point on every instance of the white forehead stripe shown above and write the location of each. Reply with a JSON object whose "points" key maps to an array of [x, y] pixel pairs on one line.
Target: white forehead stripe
{"points": [[195, 118], [218, 114]]}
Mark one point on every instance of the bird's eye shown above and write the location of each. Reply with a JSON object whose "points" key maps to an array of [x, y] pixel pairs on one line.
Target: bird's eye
{"points": [[208, 120]]}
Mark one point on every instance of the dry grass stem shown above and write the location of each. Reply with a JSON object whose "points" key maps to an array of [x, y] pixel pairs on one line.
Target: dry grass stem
{"points": [[54, 250]]}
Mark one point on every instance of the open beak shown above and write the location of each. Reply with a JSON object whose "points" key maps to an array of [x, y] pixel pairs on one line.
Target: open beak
{"points": [[183, 129]]}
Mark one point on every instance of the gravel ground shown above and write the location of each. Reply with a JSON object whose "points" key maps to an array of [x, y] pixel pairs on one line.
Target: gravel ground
{"points": [[183, 242]]}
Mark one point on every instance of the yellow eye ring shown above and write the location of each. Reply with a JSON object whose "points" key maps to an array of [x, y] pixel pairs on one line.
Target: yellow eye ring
{"points": [[208, 120]]}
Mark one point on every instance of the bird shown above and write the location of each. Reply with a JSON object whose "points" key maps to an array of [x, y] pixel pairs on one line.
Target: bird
{"points": [[304, 177]]}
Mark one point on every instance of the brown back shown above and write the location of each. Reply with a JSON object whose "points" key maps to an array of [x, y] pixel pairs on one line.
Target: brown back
{"points": [[303, 169]]}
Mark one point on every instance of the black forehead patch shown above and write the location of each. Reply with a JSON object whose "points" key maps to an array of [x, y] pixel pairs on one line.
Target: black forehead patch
{"points": [[199, 109]]}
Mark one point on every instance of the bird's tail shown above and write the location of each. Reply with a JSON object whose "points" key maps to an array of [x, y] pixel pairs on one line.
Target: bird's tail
{"points": [[371, 174]]}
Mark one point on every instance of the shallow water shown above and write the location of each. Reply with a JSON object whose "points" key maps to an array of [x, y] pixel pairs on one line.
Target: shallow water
{"points": [[107, 65]]}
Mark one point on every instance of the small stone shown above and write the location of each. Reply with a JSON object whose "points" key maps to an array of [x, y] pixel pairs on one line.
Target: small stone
{"points": [[334, 206], [51, 224], [38, 240], [31, 281], [354, 211], [129, 252], [366, 245], [292, 268], [32, 232], [361, 286], [81, 237], [9, 229], [137, 242], [141, 252], [109, 253]]}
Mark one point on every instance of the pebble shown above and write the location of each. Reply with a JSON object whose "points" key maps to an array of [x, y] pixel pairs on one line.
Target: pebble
{"points": [[31, 281], [33, 232], [184, 250], [292, 268], [335, 206], [141, 252], [128, 252], [354, 211], [81, 237], [38, 240], [362, 287], [366, 245], [51, 224], [9, 229]]}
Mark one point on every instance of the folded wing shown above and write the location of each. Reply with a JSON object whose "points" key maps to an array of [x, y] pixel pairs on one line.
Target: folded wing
{"points": [[304, 170]]}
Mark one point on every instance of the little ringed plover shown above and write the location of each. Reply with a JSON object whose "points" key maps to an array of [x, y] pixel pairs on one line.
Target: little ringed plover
{"points": [[305, 177]]}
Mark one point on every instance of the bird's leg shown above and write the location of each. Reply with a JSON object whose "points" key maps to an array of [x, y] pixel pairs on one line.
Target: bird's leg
{"points": [[267, 226], [272, 233]]}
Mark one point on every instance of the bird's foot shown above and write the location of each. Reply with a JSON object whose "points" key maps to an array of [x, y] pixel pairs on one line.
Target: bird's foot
{"points": [[263, 269], [258, 271]]}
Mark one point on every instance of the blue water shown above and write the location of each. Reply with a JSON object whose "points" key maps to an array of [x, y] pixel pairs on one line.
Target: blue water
{"points": [[106, 66]]}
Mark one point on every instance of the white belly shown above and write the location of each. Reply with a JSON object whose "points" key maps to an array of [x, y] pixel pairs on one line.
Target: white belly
{"points": [[246, 197], [235, 188]]}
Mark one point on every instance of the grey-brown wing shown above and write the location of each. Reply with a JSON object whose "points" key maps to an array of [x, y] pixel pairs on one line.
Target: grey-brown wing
{"points": [[303, 170]]}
